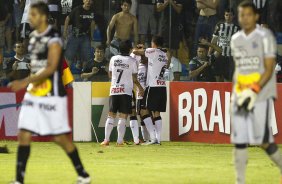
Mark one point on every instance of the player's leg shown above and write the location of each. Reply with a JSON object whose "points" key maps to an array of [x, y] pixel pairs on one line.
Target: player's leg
{"points": [[64, 141], [274, 154], [121, 128], [109, 128], [109, 125], [144, 132], [24, 138], [158, 125], [134, 126], [240, 162], [147, 119]]}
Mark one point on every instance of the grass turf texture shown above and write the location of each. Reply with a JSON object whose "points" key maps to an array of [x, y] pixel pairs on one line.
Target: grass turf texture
{"points": [[170, 163]]}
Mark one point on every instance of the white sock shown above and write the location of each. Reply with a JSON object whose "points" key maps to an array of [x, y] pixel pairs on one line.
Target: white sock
{"points": [[121, 130], [240, 161], [150, 127], [145, 133], [108, 128], [158, 126], [134, 129]]}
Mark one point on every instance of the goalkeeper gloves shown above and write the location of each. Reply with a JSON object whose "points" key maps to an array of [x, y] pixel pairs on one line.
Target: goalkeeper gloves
{"points": [[247, 98]]}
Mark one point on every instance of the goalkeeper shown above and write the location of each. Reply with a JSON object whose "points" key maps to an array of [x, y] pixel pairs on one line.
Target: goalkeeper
{"points": [[254, 88]]}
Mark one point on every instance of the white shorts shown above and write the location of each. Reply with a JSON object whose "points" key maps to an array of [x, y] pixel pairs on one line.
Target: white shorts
{"points": [[44, 115], [252, 127]]}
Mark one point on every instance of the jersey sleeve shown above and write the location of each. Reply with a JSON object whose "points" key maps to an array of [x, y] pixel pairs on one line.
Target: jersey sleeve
{"points": [[111, 64], [55, 39], [269, 45], [232, 46], [150, 52]]}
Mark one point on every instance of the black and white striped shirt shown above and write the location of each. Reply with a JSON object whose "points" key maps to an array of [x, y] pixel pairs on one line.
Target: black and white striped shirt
{"points": [[259, 3], [223, 32]]}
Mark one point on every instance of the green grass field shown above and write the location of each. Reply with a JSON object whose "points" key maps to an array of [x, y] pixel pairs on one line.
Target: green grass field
{"points": [[171, 163]]}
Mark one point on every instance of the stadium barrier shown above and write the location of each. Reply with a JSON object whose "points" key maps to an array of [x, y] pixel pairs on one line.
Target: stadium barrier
{"points": [[10, 105], [200, 112], [91, 106]]}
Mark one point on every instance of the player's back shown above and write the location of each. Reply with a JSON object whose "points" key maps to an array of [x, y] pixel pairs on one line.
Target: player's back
{"points": [[157, 64], [249, 52], [122, 68]]}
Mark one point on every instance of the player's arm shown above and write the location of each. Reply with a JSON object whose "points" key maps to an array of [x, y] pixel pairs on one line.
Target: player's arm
{"points": [[214, 42], [169, 56], [135, 30], [177, 7], [54, 56], [110, 28], [269, 65], [137, 84], [139, 52], [209, 3]]}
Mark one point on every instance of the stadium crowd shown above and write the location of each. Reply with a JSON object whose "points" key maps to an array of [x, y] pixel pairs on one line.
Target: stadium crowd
{"points": [[197, 32]]}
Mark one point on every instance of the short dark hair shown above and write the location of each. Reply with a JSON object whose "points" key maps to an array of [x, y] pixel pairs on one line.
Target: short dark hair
{"points": [[100, 47], [203, 46], [158, 40], [126, 1], [125, 47], [229, 10], [248, 4], [41, 7]]}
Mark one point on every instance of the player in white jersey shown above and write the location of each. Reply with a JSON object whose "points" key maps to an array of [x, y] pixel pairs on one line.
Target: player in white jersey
{"points": [[254, 88], [123, 72], [155, 93], [43, 110]]}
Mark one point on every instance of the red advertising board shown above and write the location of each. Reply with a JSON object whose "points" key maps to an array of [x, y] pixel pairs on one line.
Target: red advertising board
{"points": [[9, 112], [199, 112]]}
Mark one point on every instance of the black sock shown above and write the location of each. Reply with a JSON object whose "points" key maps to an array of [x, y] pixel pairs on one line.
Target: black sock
{"points": [[77, 164], [22, 157]]}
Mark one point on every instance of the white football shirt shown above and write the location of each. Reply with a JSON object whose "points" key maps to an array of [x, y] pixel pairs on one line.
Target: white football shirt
{"points": [[157, 64], [122, 68]]}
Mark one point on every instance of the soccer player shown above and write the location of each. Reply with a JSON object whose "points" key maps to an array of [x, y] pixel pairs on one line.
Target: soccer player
{"points": [[44, 109], [155, 93], [123, 72], [254, 88]]}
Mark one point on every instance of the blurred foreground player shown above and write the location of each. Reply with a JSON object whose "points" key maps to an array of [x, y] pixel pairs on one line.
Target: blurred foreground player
{"points": [[123, 72], [254, 88], [44, 110]]}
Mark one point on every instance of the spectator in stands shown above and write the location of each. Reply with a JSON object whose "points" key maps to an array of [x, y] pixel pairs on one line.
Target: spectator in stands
{"points": [[261, 6], [97, 70], [124, 22], [172, 27], [21, 65], [9, 27], [3, 20], [200, 66], [222, 37], [146, 19], [79, 43], [66, 6], [17, 15], [54, 8], [206, 21], [174, 71]]}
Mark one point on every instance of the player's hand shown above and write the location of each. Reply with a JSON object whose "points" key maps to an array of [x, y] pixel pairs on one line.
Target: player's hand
{"points": [[18, 85], [246, 99], [95, 70]]}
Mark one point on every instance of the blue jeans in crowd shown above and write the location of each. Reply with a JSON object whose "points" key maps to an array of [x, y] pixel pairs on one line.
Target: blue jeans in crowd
{"points": [[204, 28], [78, 49]]}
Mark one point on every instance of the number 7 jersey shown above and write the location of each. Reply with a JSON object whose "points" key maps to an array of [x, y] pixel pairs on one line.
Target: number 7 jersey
{"points": [[157, 64], [122, 68]]}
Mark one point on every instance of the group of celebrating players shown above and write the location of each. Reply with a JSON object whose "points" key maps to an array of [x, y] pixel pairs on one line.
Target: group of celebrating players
{"points": [[44, 106], [145, 69]]}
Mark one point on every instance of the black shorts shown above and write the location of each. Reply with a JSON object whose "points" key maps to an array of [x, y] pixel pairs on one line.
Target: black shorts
{"points": [[155, 99], [120, 103], [224, 66]]}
